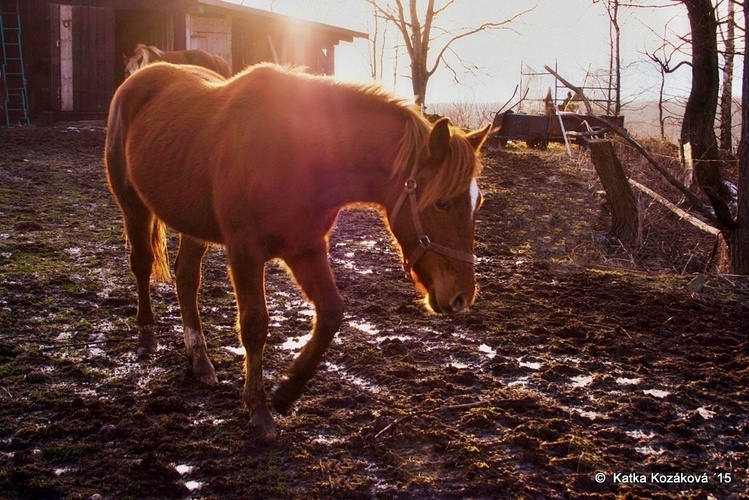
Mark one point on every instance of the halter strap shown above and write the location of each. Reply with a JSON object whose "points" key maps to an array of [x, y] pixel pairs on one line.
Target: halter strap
{"points": [[425, 243]]}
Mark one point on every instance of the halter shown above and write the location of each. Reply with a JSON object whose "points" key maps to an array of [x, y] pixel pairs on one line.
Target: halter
{"points": [[409, 189]]}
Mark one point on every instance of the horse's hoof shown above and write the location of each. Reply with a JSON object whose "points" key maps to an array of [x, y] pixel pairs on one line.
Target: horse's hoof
{"points": [[285, 393], [263, 426], [203, 370], [147, 342], [266, 435], [206, 378], [144, 352]]}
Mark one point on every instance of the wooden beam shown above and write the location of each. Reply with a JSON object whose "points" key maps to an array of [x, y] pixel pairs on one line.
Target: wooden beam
{"points": [[678, 211]]}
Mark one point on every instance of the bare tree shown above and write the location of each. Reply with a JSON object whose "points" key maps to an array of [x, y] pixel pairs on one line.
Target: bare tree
{"points": [[698, 128], [378, 37], [420, 34], [726, 94], [615, 70], [662, 57]]}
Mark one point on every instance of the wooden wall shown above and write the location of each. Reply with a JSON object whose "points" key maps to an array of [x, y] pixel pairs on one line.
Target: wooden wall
{"points": [[82, 71], [73, 48]]}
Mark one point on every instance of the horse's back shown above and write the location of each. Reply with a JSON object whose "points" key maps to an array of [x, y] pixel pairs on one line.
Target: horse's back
{"points": [[198, 57], [158, 143], [158, 85], [156, 91]]}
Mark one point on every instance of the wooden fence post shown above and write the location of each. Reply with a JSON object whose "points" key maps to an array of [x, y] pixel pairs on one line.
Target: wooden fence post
{"points": [[625, 223]]}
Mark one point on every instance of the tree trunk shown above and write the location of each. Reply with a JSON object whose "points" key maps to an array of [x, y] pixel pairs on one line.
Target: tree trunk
{"points": [[699, 115], [726, 93], [738, 240], [625, 223], [617, 60], [419, 82], [419, 51], [661, 119]]}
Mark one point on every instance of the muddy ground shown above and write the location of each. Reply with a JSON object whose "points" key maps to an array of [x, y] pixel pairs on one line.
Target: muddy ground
{"points": [[584, 370]]}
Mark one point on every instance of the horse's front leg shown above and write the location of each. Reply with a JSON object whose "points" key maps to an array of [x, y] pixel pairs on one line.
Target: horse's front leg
{"points": [[187, 270], [312, 271], [248, 277]]}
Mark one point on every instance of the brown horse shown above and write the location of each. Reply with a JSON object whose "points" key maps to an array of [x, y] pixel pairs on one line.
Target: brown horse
{"points": [[262, 163], [147, 54]]}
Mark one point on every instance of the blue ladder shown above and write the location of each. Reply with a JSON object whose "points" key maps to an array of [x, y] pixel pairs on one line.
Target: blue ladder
{"points": [[13, 75]]}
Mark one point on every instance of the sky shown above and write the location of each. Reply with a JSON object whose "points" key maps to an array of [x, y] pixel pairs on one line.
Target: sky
{"points": [[571, 35]]}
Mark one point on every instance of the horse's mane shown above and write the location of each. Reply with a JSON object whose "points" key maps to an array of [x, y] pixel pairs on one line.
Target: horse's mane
{"points": [[450, 180], [149, 53]]}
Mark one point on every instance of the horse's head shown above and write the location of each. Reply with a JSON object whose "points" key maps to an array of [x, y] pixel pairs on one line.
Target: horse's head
{"points": [[434, 216], [132, 64], [143, 55]]}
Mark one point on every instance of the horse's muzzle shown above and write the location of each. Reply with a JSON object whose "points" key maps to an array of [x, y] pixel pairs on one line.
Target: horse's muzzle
{"points": [[461, 301]]}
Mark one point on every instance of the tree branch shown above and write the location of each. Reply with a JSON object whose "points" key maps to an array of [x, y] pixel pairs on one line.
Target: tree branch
{"points": [[398, 19], [473, 31], [696, 202]]}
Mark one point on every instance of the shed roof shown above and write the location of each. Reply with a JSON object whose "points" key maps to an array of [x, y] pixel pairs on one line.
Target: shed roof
{"points": [[342, 34]]}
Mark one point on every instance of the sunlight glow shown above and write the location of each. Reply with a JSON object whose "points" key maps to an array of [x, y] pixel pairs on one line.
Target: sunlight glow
{"points": [[549, 33]]}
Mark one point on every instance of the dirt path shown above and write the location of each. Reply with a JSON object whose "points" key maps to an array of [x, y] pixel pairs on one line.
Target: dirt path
{"points": [[576, 359]]}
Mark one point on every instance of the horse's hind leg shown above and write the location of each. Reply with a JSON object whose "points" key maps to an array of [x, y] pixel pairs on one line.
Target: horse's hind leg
{"points": [[139, 227], [312, 272], [187, 270]]}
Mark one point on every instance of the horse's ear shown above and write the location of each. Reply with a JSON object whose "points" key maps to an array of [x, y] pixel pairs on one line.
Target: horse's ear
{"points": [[477, 137], [439, 140], [125, 59]]}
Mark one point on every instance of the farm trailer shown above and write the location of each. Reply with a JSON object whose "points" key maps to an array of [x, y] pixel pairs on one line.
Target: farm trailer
{"points": [[539, 130]]}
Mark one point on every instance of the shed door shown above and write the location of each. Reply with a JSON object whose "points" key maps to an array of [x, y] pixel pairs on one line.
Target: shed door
{"points": [[212, 34], [82, 55]]}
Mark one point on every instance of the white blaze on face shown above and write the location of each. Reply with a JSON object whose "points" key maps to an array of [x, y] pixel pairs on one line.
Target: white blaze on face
{"points": [[475, 194]]}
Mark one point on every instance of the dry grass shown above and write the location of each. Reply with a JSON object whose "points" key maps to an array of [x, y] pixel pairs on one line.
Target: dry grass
{"points": [[669, 244]]}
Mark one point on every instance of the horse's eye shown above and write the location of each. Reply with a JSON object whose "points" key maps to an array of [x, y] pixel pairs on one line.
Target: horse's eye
{"points": [[443, 205]]}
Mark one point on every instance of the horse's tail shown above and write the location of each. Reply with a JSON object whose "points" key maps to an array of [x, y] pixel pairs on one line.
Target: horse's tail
{"points": [[160, 268]]}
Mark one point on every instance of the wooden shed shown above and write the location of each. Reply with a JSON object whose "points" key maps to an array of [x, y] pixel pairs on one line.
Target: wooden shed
{"points": [[72, 49]]}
